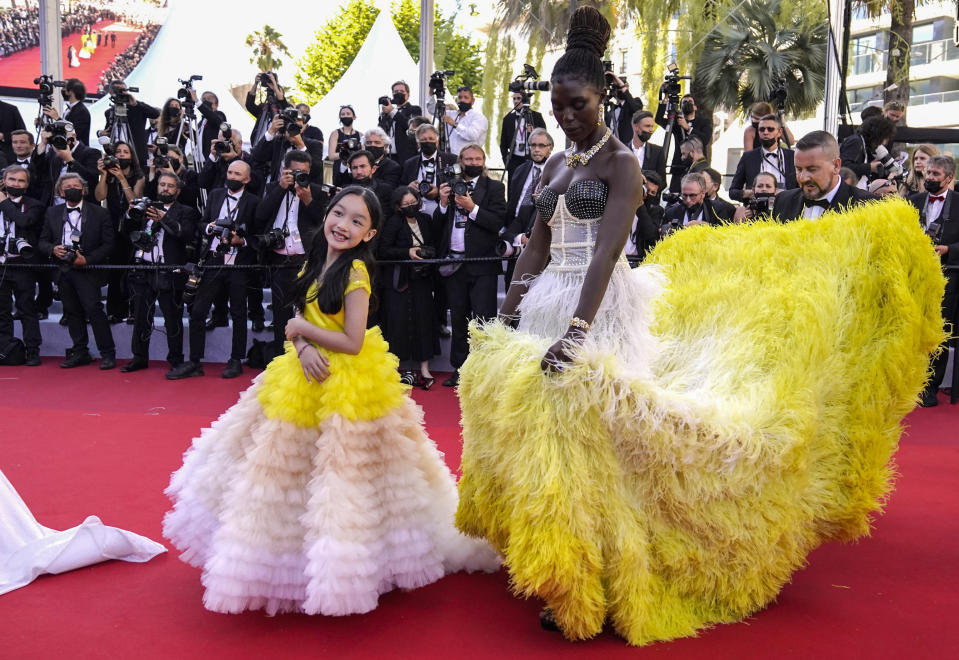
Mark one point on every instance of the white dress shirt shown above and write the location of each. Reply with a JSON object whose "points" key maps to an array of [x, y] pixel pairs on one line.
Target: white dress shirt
{"points": [[73, 222], [228, 209], [156, 255], [815, 212], [640, 153], [288, 215], [774, 163], [470, 128], [429, 205], [934, 208]]}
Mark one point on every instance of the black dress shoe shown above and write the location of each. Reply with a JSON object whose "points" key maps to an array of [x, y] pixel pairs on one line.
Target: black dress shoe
{"points": [[63, 319], [216, 323], [445, 331], [134, 365], [107, 362], [453, 380], [76, 359], [32, 358], [44, 315], [185, 370], [257, 325], [114, 319], [233, 369], [929, 399]]}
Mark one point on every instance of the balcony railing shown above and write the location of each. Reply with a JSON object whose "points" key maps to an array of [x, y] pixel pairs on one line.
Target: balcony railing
{"points": [[924, 53], [935, 97]]}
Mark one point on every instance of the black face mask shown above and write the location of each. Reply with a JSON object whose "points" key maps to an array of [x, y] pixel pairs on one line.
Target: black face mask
{"points": [[410, 211], [15, 192], [233, 185], [755, 126], [473, 171], [166, 198], [399, 98], [365, 181], [428, 148], [464, 107], [172, 113], [376, 152], [346, 121], [175, 164], [125, 162], [767, 142], [73, 195], [644, 136], [694, 210], [932, 186], [653, 200], [687, 161]]}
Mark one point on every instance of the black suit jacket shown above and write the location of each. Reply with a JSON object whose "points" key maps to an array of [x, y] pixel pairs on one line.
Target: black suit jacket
{"points": [[388, 172], [256, 109], [211, 127], [10, 120], [519, 219], [27, 218], [97, 235], [213, 175], [137, 117], [245, 220], [79, 116], [751, 164], [854, 155], [411, 167], [723, 209], [395, 241], [949, 220], [403, 144], [702, 128], [508, 132], [655, 159], [482, 234], [712, 214], [84, 163], [267, 157], [624, 127], [179, 230], [309, 218], [789, 203], [38, 176]]}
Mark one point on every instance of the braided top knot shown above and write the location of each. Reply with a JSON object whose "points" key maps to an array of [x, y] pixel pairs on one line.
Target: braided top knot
{"points": [[589, 30]]}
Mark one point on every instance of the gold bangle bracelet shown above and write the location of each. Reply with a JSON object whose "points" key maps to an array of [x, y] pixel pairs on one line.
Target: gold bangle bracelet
{"points": [[577, 322]]}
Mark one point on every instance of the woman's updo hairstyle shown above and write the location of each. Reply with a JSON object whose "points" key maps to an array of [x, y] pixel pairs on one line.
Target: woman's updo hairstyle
{"points": [[586, 43]]}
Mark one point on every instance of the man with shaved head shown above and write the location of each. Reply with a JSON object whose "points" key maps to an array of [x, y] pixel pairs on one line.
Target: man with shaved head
{"points": [[820, 187]]}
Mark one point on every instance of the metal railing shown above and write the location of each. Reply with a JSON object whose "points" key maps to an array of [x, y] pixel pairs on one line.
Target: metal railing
{"points": [[928, 52]]}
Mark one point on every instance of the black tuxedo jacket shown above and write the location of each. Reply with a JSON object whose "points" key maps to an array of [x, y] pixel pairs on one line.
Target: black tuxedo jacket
{"points": [[482, 234], [711, 213], [256, 109], [519, 219], [724, 210], [309, 218], [179, 230], [388, 173], [508, 132], [411, 167], [702, 128], [137, 117], [789, 203], [313, 133], [854, 155], [97, 235], [79, 116], [10, 120], [403, 144], [646, 233], [624, 127], [267, 157], [383, 192], [213, 175], [211, 127], [751, 164], [27, 217], [84, 163], [38, 176], [395, 241], [655, 160], [949, 219], [245, 220]]}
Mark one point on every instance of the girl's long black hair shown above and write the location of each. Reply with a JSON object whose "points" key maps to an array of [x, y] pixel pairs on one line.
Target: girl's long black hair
{"points": [[329, 296]]}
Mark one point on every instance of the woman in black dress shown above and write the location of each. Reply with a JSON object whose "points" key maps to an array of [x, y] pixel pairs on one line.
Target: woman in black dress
{"points": [[408, 317], [346, 130]]}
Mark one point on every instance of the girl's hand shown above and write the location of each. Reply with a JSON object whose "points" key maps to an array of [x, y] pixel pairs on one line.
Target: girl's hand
{"points": [[558, 355], [315, 365], [295, 327]]}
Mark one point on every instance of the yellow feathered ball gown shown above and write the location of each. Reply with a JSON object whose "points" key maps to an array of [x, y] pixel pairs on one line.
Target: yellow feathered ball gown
{"points": [[736, 404], [318, 497]]}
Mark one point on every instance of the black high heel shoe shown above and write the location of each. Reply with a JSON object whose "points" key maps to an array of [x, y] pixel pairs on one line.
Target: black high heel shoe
{"points": [[548, 621], [426, 383]]}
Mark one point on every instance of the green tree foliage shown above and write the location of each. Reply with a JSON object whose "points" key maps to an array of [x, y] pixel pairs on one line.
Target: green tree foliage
{"points": [[266, 44], [765, 41], [338, 41]]}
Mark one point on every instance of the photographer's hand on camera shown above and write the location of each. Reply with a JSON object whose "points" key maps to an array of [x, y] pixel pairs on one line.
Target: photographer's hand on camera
{"points": [[465, 202], [51, 112], [444, 195]]}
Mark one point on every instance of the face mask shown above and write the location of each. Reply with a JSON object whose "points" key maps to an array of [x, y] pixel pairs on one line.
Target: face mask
{"points": [[473, 171], [687, 160], [233, 185], [932, 186], [166, 198], [694, 210], [73, 195], [172, 113], [125, 162], [399, 98], [755, 125], [174, 163], [410, 211], [644, 136], [767, 142], [428, 148], [346, 121], [365, 181], [376, 152], [653, 200], [15, 192], [464, 106]]}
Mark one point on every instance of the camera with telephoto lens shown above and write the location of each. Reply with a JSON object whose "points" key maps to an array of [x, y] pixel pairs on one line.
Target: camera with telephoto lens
{"points": [[527, 81], [146, 239], [507, 249], [71, 250], [291, 118], [194, 273], [120, 95], [348, 147], [58, 133], [778, 94], [438, 83], [45, 85], [262, 76], [889, 168], [224, 145], [429, 176], [224, 228], [183, 94], [137, 211], [761, 204], [454, 177], [671, 197], [671, 89], [20, 246], [274, 239]]}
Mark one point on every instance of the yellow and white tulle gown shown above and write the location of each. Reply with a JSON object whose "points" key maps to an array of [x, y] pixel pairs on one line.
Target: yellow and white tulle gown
{"points": [[319, 497], [736, 403]]}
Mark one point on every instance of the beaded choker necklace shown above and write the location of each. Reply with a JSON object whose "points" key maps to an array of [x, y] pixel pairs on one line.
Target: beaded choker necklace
{"points": [[573, 159]]}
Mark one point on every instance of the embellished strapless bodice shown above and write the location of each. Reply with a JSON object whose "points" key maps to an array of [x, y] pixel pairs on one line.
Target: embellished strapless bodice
{"points": [[574, 220]]}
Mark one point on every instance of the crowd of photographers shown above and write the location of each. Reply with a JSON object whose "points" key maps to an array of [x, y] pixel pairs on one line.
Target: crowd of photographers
{"points": [[206, 226], [19, 26]]}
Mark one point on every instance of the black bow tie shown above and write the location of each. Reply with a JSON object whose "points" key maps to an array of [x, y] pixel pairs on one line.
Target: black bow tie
{"points": [[23, 162], [234, 198], [821, 203]]}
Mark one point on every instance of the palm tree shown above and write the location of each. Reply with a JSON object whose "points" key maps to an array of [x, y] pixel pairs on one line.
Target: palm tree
{"points": [[762, 44], [266, 44]]}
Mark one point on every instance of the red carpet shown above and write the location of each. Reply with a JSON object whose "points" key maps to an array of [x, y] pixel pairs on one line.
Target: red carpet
{"points": [[85, 442], [19, 69]]}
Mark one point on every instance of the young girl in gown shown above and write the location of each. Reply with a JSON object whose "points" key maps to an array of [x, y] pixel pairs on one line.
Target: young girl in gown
{"points": [[319, 490], [698, 425]]}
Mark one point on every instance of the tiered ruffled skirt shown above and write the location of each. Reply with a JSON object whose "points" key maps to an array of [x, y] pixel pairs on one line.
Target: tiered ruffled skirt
{"points": [[318, 498]]}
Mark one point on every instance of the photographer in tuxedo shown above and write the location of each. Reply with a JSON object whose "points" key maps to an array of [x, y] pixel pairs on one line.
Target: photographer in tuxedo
{"points": [[714, 183], [159, 235], [227, 226], [469, 220], [77, 234], [175, 164], [139, 115], [939, 213], [620, 108], [769, 157], [309, 132], [517, 131], [223, 152], [858, 151], [395, 117], [363, 173], [644, 232], [264, 112], [293, 209], [426, 167], [650, 156], [21, 218], [688, 124], [21, 142], [694, 208], [817, 172], [74, 111], [386, 170], [280, 139], [520, 210], [10, 121], [210, 119], [74, 159]]}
